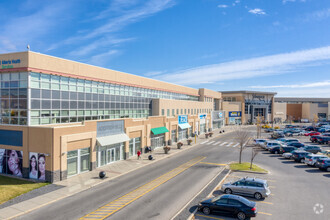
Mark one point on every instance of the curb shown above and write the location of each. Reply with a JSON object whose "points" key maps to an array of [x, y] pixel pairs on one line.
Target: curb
{"points": [[246, 171], [192, 216]]}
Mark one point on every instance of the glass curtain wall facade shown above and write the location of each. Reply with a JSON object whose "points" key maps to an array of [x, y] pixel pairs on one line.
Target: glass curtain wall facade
{"points": [[13, 98], [57, 99]]}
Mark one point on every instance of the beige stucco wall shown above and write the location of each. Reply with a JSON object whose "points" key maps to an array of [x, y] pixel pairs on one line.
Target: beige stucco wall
{"points": [[231, 106], [279, 110], [159, 104], [58, 65]]}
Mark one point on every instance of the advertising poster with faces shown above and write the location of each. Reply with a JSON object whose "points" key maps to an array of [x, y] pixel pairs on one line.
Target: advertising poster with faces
{"points": [[37, 166], [11, 162]]}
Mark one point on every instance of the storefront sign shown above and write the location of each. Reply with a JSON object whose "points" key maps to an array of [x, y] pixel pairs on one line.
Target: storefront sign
{"points": [[8, 64], [260, 97], [106, 128], [202, 118], [235, 114], [182, 119], [220, 115], [12, 138]]}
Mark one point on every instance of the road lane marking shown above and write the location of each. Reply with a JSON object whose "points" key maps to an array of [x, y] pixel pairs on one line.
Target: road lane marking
{"points": [[210, 142], [236, 145], [230, 143], [216, 143], [209, 217], [204, 142], [264, 213], [218, 164], [139, 192], [223, 143]]}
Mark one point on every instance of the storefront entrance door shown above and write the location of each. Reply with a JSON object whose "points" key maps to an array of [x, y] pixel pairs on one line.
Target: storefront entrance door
{"points": [[111, 155]]}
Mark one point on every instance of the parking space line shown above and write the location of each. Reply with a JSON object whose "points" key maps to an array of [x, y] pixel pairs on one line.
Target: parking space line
{"points": [[266, 202], [209, 217], [218, 164], [264, 213]]}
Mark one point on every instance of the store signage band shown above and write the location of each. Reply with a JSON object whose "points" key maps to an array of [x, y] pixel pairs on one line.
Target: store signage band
{"points": [[182, 119], [235, 114], [8, 64]]}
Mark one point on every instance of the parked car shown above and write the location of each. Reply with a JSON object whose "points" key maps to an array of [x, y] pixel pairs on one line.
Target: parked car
{"points": [[229, 205], [313, 138], [270, 145], [326, 153], [296, 144], [257, 188], [311, 159], [287, 155], [323, 164], [277, 134], [292, 132], [287, 149], [310, 128], [312, 133], [275, 150], [323, 139], [299, 155], [259, 142], [267, 130], [312, 149]]}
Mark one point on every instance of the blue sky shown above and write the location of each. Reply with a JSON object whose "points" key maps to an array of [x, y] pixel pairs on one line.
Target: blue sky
{"points": [[264, 45]]}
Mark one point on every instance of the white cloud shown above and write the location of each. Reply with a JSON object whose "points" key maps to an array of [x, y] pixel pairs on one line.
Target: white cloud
{"points": [[19, 31], [305, 85], [285, 1], [311, 93], [126, 13], [103, 58], [222, 6], [257, 11], [153, 73], [318, 15], [249, 68]]}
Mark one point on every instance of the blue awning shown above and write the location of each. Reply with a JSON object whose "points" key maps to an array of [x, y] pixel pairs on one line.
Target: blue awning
{"points": [[184, 126]]}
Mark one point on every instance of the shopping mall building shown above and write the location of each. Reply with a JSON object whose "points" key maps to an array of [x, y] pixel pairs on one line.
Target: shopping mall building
{"points": [[244, 107], [60, 118]]}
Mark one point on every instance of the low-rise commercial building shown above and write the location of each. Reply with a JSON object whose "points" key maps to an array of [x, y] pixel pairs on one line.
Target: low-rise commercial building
{"points": [[60, 118], [304, 109], [243, 107]]}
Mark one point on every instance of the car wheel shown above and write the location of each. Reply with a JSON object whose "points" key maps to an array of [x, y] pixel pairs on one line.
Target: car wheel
{"points": [[228, 191], [302, 160], [276, 152], [241, 215], [257, 196], [206, 210], [328, 169]]}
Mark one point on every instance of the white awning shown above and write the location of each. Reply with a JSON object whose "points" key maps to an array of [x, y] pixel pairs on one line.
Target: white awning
{"points": [[184, 126], [112, 139]]}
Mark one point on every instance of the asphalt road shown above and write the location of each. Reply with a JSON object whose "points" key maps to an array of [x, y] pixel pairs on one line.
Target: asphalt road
{"points": [[162, 202]]}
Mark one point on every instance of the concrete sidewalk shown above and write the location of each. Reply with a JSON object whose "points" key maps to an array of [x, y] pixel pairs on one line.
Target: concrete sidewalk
{"points": [[90, 179]]}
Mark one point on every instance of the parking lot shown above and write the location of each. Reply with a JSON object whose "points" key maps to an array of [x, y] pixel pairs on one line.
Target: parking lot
{"points": [[298, 191]]}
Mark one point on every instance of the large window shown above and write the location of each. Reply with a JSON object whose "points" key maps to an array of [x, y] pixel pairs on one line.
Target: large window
{"points": [[13, 98], [78, 161], [57, 99]]}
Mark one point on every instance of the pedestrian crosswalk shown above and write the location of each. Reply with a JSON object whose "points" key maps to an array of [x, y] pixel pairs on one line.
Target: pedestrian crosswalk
{"points": [[222, 143]]}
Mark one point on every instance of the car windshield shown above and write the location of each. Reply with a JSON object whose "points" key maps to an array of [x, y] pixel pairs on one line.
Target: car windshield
{"points": [[215, 199]]}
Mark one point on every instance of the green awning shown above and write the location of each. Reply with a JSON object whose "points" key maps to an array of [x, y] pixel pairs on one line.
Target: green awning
{"points": [[159, 130]]}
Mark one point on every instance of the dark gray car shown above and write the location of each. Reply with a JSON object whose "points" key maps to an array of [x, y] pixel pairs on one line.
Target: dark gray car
{"points": [[257, 188]]}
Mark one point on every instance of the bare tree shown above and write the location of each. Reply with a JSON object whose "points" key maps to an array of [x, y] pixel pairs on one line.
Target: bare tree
{"points": [[255, 151], [243, 137]]}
